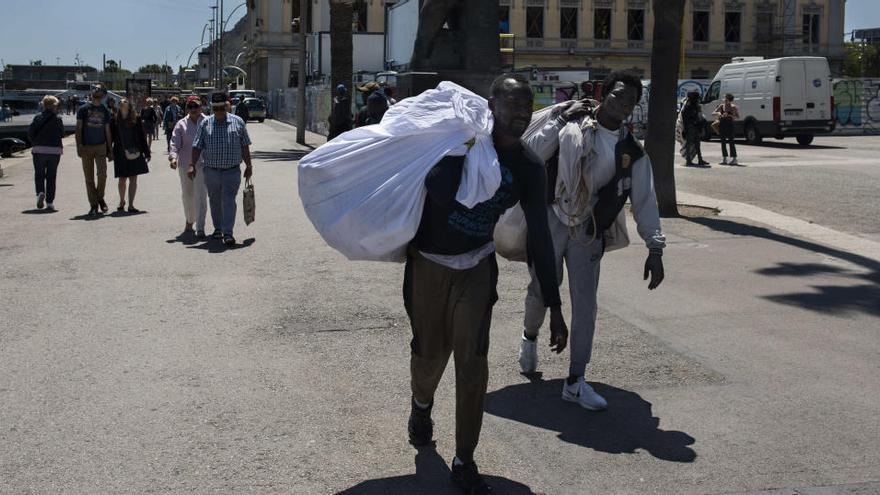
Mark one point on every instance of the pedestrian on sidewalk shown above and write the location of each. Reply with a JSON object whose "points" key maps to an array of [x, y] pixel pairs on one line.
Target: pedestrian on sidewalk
{"points": [[372, 114], [94, 146], [694, 124], [614, 166], [222, 142], [451, 274], [194, 191], [727, 113], [149, 119], [242, 111], [340, 115], [45, 134], [366, 91], [130, 152], [170, 118]]}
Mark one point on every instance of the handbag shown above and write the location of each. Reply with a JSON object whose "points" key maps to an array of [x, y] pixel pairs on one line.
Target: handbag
{"points": [[248, 202]]}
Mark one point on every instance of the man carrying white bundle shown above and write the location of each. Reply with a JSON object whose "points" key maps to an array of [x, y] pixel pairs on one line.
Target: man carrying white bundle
{"points": [[451, 275], [592, 170]]}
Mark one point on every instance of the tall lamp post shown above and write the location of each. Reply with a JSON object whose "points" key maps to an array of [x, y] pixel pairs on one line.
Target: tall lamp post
{"points": [[301, 76]]}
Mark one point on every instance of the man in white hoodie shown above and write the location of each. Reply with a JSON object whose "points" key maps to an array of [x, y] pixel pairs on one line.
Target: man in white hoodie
{"points": [[593, 165]]}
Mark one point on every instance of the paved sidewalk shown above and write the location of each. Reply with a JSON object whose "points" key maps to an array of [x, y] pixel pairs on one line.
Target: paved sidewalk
{"points": [[133, 360]]}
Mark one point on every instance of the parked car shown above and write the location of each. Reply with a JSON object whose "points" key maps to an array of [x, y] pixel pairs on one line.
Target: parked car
{"points": [[256, 108], [11, 145], [780, 97]]}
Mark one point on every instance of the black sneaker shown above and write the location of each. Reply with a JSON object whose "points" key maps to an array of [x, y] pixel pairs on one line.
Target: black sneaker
{"points": [[103, 206], [218, 234], [93, 211], [229, 240], [421, 427], [469, 479]]}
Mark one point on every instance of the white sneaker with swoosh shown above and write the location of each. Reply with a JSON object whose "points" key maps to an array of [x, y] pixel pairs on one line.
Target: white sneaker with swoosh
{"points": [[581, 393]]}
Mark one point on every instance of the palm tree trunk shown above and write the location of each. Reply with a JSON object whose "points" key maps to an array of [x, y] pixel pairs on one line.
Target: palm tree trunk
{"points": [[665, 63], [341, 43]]}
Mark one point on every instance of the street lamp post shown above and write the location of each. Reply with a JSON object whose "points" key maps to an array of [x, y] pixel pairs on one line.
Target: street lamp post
{"points": [[301, 76]]}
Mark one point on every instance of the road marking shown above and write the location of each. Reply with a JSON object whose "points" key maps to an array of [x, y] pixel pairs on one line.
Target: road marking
{"points": [[801, 228]]}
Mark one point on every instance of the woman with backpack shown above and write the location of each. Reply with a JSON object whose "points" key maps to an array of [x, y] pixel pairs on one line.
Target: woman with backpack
{"points": [[45, 133], [693, 124]]}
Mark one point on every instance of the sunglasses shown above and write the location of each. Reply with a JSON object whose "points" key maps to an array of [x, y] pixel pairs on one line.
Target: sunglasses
{"points": [[192, 106]]}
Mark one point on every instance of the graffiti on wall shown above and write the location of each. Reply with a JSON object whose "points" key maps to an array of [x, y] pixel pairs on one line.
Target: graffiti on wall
{"points": [[857, 106], [639, 119], [281, 104]]}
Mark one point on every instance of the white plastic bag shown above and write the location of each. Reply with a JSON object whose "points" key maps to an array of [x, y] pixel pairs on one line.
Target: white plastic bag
{"points": [[364, 191], [510, 234]]}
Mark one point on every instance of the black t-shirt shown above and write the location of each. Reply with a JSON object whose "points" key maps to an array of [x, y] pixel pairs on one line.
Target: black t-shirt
{"points": [[449, 228], [94, 118]]}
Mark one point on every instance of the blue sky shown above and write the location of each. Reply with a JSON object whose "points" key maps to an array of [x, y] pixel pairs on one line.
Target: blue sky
{"points": [[862, 14], [140, 32]]}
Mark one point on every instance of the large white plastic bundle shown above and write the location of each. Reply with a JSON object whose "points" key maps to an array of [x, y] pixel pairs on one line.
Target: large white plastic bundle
{"points": [[364, 191]]}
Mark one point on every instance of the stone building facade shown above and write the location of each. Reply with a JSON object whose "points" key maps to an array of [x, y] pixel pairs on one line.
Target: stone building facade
{"points": [[603, 35]]}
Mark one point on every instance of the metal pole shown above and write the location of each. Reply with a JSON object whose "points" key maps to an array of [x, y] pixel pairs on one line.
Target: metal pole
{"points": [[213, 65], [301, 78], [220, 46]]}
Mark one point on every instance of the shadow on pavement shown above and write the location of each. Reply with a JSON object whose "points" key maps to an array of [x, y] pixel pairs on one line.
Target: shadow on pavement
{"points": [[829, 299], [626, 426], [217, 246], [792, 145], [44, 211], [120, 214], [88, 218], [279, 156], [431, 478], [186, 238]]}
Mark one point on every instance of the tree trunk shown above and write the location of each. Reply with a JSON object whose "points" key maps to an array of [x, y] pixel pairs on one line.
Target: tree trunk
{"points": [[341, 44], [665, 63]]}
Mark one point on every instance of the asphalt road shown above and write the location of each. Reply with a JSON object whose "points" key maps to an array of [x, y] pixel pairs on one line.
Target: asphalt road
{"points": [[834, 182], [136, 361]]}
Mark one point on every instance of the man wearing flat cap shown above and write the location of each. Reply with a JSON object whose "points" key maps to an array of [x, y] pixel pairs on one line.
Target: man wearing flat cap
{"points": [[222, 142]]}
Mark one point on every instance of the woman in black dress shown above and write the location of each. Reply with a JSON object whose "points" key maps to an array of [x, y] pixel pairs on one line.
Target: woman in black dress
{"points": [[130, 152], [693, 124]]}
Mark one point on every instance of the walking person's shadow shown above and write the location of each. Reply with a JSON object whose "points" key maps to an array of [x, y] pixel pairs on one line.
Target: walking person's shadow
{"points": [[431, 478], [626, 426]]}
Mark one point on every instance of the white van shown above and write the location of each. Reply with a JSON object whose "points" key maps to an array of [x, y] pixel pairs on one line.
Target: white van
{"points": [[780, 97]]}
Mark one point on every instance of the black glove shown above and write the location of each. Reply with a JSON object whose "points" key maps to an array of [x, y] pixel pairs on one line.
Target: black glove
{"points": [[654, 267]]}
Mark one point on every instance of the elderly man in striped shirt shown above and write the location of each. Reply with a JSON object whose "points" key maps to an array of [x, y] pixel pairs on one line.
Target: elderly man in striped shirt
{"points": [[222, 142]]}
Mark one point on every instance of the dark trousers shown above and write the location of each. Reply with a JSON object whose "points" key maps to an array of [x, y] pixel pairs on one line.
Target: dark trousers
{"points": [[45, 169], [450, 312], [727, 137]]}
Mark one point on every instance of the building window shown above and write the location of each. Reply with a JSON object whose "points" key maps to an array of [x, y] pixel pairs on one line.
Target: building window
{"points": [[701, 26], [635, 25], [811, 31], [602, 24], [503, 19], [700, 74], [732, 22], [359, 16], [534, 22], [764, 27], [568, 28]]}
